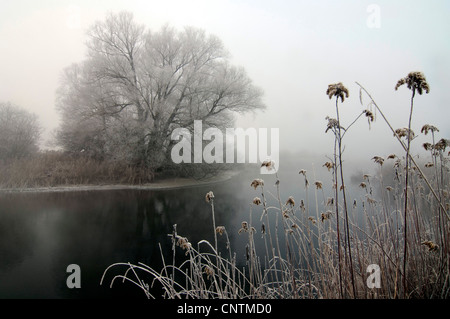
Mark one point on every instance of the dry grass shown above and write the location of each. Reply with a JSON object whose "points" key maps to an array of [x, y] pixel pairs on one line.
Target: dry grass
{"points": [[301, 259], [404, 229], [50, 169]]}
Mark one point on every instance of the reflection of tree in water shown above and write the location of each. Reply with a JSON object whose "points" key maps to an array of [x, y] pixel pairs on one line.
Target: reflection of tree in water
{"points": [[158, 211], [97, 228]]}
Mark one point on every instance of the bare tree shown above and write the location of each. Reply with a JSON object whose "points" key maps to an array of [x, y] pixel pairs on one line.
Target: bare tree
{"points": [[19, 132], [136, 86]]}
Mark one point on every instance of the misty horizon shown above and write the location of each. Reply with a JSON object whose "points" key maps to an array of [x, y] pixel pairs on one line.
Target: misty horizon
{"points": [[292, 51]]}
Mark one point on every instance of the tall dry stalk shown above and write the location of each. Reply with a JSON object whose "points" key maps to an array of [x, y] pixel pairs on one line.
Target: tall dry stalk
{"points": [[416, 82], [413, 240], [307, 267], [423, 176], [339, 91]]}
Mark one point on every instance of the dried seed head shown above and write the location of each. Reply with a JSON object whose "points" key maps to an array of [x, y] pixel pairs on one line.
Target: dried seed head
{"points": [[285, 214], [428, 127], [427, 146], [303, 172], [362, 185], [290, 201], [429, 164], [338, 90], [220, 230], [404, 132], [256, 201], [392, 156], [312, 219], [318, 184], [325, 216], [369, 115], [333, 124], [184, 244], [209, 271], [442, 144], [268, 164], [244, 227], [414, 81], [389, 188], [209, 196], [431, 246], [378, 160], [257, 182], [328, 165], [371, 200], [302, 205], [400, 83], [330, 201]]}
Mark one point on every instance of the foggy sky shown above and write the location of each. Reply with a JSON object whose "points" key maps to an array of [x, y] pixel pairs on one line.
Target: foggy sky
{"points": [[291, 49]]}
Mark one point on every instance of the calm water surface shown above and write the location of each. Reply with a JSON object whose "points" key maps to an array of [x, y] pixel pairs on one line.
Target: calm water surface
{"points": [[42, 233]]}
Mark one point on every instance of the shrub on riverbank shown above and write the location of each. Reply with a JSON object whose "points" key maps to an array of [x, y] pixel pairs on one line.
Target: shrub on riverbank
{"points": [[54, 168]]}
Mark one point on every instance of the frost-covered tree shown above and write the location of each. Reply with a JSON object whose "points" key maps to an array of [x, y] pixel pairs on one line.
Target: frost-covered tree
{"points": [[137, 85], [19, 132]]}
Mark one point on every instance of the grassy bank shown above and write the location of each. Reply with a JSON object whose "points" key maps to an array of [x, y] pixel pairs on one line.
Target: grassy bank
{"points": [[53, 168]]}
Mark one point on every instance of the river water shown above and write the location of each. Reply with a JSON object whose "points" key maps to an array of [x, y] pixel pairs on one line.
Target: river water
{"points": [[41, 234]]}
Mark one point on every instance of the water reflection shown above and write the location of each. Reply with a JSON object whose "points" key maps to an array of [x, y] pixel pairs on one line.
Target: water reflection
{"points": [[42, 233]]}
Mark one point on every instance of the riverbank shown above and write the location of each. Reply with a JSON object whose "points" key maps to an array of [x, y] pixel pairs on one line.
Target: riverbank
{"points": [[167, 183], [54, 171]]}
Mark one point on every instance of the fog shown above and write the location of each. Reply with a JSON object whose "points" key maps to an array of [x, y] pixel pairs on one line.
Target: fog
{"points": [[291, 49]]}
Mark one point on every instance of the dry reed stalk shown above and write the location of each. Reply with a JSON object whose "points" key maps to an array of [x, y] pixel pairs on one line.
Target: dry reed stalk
{"points": [[375, 239], [405, 148], [339, 90]]}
